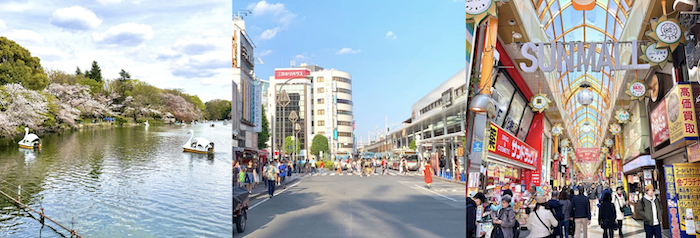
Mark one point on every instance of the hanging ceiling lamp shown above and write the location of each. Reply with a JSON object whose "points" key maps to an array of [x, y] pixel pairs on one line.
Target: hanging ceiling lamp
{"points": [[585, 95], [583, 5]]}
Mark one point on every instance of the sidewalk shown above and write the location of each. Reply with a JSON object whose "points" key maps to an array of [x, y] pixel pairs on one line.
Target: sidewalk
{"points": [[261, 190]]}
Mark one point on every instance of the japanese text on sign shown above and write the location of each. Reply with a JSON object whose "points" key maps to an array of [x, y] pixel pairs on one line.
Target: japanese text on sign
{"points": [[507, 145]]}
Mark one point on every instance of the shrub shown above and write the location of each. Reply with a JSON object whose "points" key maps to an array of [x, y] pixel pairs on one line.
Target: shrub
{"points": [[120, 120]]}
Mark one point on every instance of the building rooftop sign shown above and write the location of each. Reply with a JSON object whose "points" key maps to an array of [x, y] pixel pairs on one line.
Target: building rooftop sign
{"points": [[584, 61], [290, 74]]}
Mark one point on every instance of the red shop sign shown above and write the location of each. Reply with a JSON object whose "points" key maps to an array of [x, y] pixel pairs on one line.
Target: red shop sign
{"points": [[659, 124], [290, 74], [536, 178], [504, 144]]}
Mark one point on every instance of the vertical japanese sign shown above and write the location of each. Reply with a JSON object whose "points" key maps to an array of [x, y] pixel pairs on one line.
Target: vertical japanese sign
{"points": [[659, 123], [608, 167], [683, 194], [681, 113]]}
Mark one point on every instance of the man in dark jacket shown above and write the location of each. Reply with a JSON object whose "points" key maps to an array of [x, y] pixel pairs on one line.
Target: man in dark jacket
{"points": [[556, 207], [581, 213], [650, 209], [472, 204]]}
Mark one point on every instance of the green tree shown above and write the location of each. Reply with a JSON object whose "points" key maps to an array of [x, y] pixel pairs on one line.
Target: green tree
{"points": [[217, 109], [77, 71], [95, 72], [123, 75], [412, 145], [291, 145], [263, 135], [18, 66], [318, 144]]}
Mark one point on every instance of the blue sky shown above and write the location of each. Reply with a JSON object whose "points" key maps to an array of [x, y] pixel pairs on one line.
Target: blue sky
{"points": [[168, 44], [396, 51]]}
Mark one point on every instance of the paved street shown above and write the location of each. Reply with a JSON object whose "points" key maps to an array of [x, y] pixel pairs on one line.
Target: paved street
{"points": [[347, 205]]}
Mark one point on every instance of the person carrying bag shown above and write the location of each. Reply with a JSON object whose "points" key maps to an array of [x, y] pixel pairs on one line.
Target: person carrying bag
{"points": [[543, 223], [505, 224]]}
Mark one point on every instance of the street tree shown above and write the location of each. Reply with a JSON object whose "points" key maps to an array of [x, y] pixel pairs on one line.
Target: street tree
{"points": [[217, 109], [291, 146], [412, 145], [263, 135], [123, 75], [318, 144], [18, 66]]}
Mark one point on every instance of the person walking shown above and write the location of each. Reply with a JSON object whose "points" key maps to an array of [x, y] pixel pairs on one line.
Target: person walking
{"points": [[271, 173], [256, 177], [505, 218], [607, 216], [239, 175], [649, 208], [566, 210], [282, 174], [541, 222], [619, 201], [592, 197], [322, 166], [249, 177], [405, 166], [581, 211], [384, 166], [427, 173], [442, 163], [472, 204], [557, 209]]}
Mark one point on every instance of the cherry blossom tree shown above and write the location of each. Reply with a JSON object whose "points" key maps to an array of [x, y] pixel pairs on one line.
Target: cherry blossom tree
{"points": [[20, 106]]}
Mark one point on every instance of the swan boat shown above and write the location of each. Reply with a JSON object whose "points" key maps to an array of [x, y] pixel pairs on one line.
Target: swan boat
{"points": [[198, 145], [30, 141], [146, 123]]}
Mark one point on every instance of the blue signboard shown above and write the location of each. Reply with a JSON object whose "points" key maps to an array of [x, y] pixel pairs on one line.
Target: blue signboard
{"points": [[477, 147]]}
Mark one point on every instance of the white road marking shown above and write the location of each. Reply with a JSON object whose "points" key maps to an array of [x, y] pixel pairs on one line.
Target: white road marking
{"points": [[435, 193], [268, 198]]}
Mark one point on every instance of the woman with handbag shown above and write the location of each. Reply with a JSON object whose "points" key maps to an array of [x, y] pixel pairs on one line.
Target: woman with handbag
{"points": [[620, 202], [607, 216], [541, 221], [505, 221]]}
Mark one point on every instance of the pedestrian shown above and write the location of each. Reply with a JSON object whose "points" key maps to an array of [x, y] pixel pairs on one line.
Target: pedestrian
{"points": [[338, 168], [384, 166], [322, 166], [566, 210], [619, 201], [557, 210], [368, 167], [239, 174], [505, 218], [289, 168], [607, 216], [256, 177], [472, 204], [282, 173], [649, 208], [405, 166], [441, 163], [249, 177], [271, 173], [592, 197], [277, 165], [540, 223], [581, 211], [427, 174]]}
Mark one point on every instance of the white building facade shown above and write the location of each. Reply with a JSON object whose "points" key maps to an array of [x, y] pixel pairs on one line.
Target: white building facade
{"points": [[248, 111]]}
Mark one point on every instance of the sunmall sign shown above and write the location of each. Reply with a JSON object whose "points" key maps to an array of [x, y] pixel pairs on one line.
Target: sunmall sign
{"points": [[587, 59]]}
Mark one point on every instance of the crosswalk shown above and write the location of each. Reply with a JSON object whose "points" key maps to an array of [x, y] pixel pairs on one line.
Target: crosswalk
{"points": [[346, 173]]}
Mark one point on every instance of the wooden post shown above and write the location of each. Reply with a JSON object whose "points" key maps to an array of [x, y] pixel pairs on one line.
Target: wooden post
{"points": [[19, 192]]}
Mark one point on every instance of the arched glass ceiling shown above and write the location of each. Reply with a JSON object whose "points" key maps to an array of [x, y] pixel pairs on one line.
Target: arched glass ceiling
{"points": [[563, 23]]}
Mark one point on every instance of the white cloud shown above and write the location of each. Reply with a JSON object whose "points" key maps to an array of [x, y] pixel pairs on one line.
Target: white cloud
{"points": [[277, 10], [263, 53], [105, 2], [348, 51], [25, 37], [75, 18], [269, 33], [127, 34], [17, 6], [300, 58], [390, 35], [2, 25]]}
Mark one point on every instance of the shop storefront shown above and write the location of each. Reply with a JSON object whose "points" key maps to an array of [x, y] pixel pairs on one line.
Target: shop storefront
{"points": [[639, 172]]}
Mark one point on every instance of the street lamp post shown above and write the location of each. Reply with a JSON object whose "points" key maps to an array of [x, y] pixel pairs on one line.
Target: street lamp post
{"points": [[293, 117], [284, 101], [297, 128]]}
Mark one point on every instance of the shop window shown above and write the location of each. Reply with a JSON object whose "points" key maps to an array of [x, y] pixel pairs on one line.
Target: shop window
{"points": [[320, 101], [321, 112], [319, 79], [505, 90], [525, 123], [515, 114], [321, 123], [320, 90]]}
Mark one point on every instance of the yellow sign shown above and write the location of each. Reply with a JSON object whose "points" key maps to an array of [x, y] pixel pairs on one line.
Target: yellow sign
{"points": [[681, 114], [608, 167], [687, 185], [492, 138]]}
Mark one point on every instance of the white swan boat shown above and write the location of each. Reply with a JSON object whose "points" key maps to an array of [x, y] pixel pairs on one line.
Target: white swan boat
{"points": [[146, 123], [198, 145], [30, 141]]}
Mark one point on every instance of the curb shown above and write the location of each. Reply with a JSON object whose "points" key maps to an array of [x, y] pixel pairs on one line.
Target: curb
{"points": [[264, 193], [451, 181]]}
